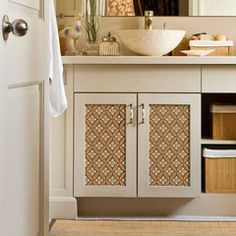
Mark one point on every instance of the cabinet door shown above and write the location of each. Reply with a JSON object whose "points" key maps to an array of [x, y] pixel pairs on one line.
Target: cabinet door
{"points": [[105, 145], [169, 145]]}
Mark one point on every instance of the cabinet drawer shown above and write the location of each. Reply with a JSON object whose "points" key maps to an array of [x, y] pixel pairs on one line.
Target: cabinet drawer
{"points": [[219, 79], [137, 78]]}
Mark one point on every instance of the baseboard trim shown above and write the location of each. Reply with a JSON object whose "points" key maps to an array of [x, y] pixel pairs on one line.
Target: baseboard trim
{"points": [[168, 218], [62, 208]]}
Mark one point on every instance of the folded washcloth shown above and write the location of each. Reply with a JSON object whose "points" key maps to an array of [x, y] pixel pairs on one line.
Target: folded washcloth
{"points": [[211, 43], [219, 153]]}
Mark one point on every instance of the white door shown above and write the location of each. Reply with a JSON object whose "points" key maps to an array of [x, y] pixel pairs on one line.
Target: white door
{"points": [[23, 190]]}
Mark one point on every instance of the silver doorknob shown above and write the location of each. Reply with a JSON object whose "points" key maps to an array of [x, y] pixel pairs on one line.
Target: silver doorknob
{"points": [[17, 27]]}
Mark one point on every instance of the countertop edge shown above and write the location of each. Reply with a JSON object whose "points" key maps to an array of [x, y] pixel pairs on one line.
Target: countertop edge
{"points": [[148, 60]]}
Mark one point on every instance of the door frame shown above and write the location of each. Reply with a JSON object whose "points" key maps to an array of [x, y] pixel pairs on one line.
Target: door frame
{"points": [[44, 14]]}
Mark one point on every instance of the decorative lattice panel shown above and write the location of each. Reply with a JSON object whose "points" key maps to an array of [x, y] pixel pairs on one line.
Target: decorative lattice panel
{"points": [[105, 145], [120, 8], [169, 145]]}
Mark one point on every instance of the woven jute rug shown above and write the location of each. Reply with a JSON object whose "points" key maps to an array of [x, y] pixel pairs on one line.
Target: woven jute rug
{"points": [[141, 228]]}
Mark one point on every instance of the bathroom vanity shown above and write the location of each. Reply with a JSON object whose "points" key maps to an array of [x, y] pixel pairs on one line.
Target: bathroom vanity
{"points": [[126, 116]]}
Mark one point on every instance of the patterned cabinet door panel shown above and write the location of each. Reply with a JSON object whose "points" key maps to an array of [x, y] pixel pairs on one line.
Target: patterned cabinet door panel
{"points": [[169, 145], [105, 145]]}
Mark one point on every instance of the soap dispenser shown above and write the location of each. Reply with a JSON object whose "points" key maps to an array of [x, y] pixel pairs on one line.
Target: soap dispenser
{"points": [[109, 46]]}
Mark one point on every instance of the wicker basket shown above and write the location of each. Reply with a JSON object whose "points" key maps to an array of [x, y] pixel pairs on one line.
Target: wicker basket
{"points": [[224, 122], [220, 171], [221, 48]]}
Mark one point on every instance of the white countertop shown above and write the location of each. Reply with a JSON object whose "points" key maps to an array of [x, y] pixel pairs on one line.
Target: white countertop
{"points": [[151, 60]]}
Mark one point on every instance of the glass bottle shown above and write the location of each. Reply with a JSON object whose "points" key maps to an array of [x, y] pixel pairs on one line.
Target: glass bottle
{"points": [[92, 10]]}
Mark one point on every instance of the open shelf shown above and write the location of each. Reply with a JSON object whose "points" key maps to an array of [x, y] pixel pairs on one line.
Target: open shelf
{"points": [[207, 101], [210, 184]]}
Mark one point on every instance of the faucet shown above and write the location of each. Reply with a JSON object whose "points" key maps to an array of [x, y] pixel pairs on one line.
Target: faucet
{"points": [[148, 19]]}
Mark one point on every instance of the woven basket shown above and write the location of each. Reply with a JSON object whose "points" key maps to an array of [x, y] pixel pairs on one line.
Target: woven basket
{"points": [[224, 122], [222, 48], [220, 171]]}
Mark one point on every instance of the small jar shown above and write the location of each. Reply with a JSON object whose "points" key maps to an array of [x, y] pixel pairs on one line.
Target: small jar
{"points": [[109, 46]]}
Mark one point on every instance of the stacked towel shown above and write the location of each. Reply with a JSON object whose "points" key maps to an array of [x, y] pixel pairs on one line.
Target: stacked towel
{"points": [[219, 153]]}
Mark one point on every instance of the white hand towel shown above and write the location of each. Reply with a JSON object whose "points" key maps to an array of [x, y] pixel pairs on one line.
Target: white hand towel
{"points": [[57, 97]]}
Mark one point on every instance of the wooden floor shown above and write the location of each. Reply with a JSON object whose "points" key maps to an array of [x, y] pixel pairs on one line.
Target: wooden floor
{"points": [[142, 228]]}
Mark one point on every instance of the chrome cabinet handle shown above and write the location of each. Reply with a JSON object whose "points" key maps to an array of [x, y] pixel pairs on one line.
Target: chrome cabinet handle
{"points": [[131, 118], [143, 113], [18, 27]]}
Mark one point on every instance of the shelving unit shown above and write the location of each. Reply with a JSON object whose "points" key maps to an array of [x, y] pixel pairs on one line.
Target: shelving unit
{"points": [[207, 140]]}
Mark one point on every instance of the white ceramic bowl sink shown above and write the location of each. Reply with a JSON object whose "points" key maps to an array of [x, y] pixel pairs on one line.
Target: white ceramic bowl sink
{"points": [[151, 42]]}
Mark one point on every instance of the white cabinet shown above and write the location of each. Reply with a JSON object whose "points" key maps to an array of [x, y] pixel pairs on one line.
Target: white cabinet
{"points": [[157, 156], [105, 145], [62, 201], [169, 145]]}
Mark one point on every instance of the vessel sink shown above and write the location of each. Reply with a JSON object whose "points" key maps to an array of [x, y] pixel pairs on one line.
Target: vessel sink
{"points": [[151, 42]]}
